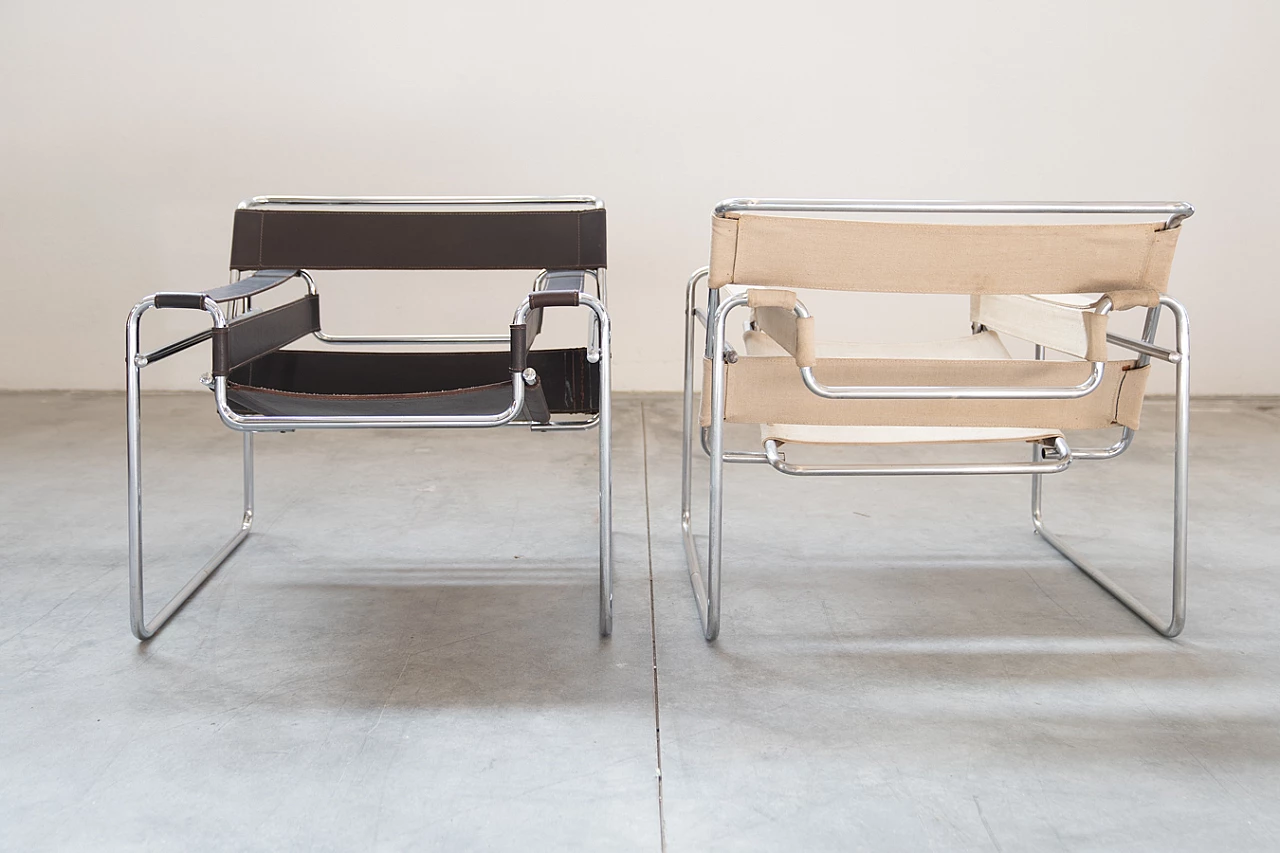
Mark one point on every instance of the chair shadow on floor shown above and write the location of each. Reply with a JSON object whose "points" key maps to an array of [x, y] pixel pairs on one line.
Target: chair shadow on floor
{"points": [[929, 654], [973, 616], [414, 634]]}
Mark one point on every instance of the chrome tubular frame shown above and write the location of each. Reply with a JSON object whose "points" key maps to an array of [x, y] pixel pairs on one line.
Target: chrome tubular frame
{"points": [[419, 201], [705, 581], [600, 339], [1047, 458], [143, 628], [1180, 359]]}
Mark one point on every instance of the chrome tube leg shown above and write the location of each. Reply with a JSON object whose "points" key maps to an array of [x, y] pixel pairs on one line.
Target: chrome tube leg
{"points": [[1182, 431], [715, 514], [1037, 454], [606, 477], [133, 430], [604, 421], [1181, 464], [705, 582], [138, 622], [686, 451], [248, 479]]}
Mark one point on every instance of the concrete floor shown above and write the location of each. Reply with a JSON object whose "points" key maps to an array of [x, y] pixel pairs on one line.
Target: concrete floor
{"points": [[404, 655]]}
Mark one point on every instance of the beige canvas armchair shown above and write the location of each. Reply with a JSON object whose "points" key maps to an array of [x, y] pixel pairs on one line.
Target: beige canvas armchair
{"points": [[1055, 285]]}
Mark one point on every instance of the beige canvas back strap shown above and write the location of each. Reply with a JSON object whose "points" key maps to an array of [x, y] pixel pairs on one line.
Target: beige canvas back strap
{"points": [[839, 254]]}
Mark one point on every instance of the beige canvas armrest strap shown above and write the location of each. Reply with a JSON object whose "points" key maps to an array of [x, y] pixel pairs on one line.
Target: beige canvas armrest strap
{"points": [[1073, 329], [1123, 300], [773, 312], [724, 250], [769, 297]]}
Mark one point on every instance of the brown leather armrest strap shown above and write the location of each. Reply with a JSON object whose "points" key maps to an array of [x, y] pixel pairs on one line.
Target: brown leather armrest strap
{"points": [[180, 300], [519, 347], [257, 283], [550, 298], [259, 333]]}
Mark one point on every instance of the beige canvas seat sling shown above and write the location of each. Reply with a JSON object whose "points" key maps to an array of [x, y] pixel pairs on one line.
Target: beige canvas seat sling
{"points": [[1056, 285]]}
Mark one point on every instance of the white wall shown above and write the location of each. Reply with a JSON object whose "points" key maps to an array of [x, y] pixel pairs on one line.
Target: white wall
{"points": [[128, 132]]}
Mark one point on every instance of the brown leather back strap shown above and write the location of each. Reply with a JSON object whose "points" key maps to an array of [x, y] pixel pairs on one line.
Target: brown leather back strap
{"points": [[418, 240]]}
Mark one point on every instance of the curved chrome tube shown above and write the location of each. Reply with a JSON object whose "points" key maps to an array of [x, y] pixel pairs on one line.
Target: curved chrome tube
{"points": [[605, 422], [1182, 427], [1175, 211], [686, 458], [950, 392], [703, 580], [269, 423], [258, 200], [142, 627], [924, 392], [1127, 434], [1124, 443], [1060, 462]]}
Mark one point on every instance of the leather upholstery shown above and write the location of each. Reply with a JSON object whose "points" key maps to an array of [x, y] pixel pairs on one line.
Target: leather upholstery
{"points": [[418, 240], [331, 382]]}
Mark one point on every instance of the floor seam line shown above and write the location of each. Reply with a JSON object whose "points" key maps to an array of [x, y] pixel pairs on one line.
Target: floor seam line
{"points": [[653, 626]]}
